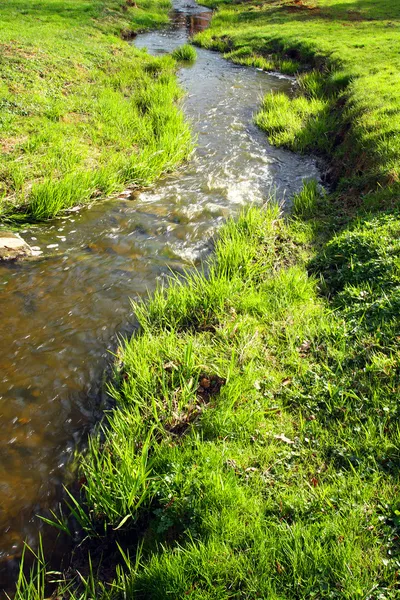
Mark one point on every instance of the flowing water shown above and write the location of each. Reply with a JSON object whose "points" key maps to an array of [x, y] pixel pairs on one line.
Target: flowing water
{"points": [[60, 314]]}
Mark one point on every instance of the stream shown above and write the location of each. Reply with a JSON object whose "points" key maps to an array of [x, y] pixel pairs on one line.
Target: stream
{"points": [[61, 313]]}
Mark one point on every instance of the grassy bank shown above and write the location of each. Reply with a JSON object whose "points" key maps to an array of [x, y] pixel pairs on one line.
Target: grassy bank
{"points": [[83, 113], [254, 448], [346, 54]]}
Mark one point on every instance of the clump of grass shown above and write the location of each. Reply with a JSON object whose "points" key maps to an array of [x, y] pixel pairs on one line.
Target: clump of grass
{"points": [[305, 202], [301, 124], [186, 53], [288, 66], [31, 585]]}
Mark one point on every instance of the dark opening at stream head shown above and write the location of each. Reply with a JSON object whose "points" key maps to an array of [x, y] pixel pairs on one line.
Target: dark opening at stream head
{"points": [[60, 314]]}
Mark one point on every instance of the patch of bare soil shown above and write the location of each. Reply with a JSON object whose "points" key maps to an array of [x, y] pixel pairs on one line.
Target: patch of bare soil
{"points": [[300, 5]]}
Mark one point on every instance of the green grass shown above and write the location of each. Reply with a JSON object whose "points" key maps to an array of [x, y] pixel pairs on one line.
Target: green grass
{"points": [[305, 202], [185, 53], [300, 124], [83, 113]]}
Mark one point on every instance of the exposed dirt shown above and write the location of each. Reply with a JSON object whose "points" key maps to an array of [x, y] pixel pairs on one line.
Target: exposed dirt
{"points": [[297, 5], [209, 386], [10, 144]]}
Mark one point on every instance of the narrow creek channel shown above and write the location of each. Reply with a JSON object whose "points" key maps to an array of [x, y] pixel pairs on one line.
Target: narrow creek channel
{"points": [[61, 314]]}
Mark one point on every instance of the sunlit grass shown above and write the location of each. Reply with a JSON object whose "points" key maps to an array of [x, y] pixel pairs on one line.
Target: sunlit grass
{"points": [[305, 202], [253, 446], [253, 450], [83, 113]]}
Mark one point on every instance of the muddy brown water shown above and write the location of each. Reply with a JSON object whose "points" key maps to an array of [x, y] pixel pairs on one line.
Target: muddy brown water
{"points": [[61, 314]]}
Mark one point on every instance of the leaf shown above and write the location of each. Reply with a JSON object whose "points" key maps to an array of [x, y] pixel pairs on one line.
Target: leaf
{"points": [[169, 366], [283, 438], [279, 567], [124, 520], [205, 382]]}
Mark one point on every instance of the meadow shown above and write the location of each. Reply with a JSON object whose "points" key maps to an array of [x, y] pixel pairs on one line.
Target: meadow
{"points": [[83, 113], [254, 447]]}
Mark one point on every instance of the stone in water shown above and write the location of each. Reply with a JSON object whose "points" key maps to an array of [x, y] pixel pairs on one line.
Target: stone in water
{"points": [[12, 246]]}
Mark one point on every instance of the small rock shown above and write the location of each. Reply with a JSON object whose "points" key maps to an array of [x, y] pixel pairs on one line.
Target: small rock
{"points": [[12, 246], [125, 194]]}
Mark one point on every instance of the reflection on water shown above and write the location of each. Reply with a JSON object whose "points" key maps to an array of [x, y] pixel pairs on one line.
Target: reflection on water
{"points": [[60, 314]]}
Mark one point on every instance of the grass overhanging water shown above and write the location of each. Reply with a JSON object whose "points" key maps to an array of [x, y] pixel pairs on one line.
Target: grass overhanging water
{"points": [[344, 54], [253, 451], [185, 54]]}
